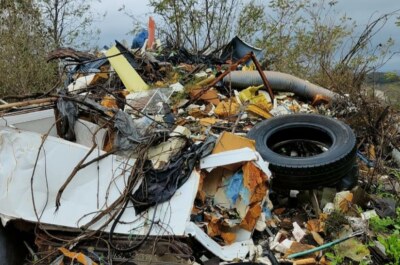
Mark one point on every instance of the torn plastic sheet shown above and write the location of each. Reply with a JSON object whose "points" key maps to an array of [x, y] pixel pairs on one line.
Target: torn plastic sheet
{"points": [[93, 187], [149, 102], [69, 114], [160, 185], [237, 250], [130, 131], [230, 194], [237, 48], [91, 66], [161, 154], [235, 188], [232, 157]]}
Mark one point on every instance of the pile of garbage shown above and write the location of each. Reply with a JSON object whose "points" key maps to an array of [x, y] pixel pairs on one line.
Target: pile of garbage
{"points": [[155, 156]]}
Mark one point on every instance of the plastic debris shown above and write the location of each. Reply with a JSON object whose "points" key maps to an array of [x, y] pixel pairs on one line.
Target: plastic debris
{"points": [[80, 257], [131, 79], [144, 148]]}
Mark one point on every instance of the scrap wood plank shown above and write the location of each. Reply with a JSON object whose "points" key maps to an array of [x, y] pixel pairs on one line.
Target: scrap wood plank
{"points": [[27, 103]]}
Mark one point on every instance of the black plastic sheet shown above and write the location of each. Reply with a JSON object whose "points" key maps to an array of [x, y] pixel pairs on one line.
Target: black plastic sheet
{"points": [[160, 185], [68, 114]]}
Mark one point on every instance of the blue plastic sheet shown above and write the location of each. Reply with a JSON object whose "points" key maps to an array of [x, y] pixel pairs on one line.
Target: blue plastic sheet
{"points": [[267, 212], [139, 39], [235, 188]]}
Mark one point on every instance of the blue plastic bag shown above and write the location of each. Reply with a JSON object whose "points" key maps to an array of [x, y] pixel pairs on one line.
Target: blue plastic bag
{"points": [[139, 39]]}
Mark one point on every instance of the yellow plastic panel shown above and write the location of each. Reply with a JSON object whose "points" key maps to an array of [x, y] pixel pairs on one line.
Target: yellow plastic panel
{"points": [[128, 75]]}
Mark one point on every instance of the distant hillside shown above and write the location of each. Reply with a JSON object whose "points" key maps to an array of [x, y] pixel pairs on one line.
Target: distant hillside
{"points": [[383, 77], [388, 83]]}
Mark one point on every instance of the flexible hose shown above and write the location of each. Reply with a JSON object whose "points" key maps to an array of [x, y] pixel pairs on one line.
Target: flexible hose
{"points": [[279, 82]]}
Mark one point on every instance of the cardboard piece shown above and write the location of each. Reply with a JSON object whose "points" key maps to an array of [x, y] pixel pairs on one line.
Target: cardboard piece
{"points": [[229, 141]]}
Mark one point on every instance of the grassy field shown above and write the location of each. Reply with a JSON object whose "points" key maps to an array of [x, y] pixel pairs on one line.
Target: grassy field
{"points": [[392, 92]]}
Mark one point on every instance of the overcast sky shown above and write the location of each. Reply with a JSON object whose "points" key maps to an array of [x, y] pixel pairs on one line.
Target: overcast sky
{"points": [[116, 25]]}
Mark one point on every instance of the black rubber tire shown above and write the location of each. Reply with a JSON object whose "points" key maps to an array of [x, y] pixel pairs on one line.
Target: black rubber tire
{"points": [[304, 173]]}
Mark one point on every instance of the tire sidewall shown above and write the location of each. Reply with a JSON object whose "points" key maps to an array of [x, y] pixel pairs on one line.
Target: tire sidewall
{"points": [[343, 139]]}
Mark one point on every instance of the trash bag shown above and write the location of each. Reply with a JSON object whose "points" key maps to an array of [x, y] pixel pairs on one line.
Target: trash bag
{"points": [[68, 114], [129, 131], [12, 249], [139, 39], [160, 185], [385, 207], [169, 117]]}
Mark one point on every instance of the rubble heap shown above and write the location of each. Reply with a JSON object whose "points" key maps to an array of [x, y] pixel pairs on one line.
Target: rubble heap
{"points": [[146, 156]]}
